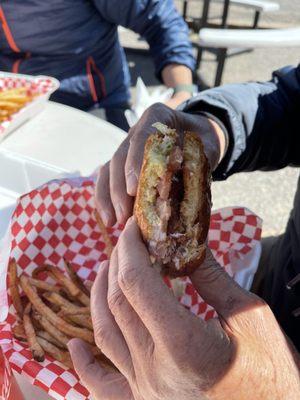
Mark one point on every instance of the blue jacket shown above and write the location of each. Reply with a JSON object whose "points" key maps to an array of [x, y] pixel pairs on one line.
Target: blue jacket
{"points": [[77, 42], [262, 123]]}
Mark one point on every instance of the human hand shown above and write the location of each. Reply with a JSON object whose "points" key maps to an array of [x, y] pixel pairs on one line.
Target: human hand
{"points": [[164, 352], [118, 178]]}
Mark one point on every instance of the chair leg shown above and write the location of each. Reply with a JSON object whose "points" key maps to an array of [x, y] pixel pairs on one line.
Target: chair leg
{"points": [[256, 19], [222, 53], [184, 9], [225, 14], [199, 57], [205, 12]]}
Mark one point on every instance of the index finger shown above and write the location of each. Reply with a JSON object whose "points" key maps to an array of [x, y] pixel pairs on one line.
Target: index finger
{"points": [[145, 290]]}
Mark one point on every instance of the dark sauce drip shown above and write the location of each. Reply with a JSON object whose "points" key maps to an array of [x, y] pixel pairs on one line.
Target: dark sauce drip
{"points": [[176, 196]]}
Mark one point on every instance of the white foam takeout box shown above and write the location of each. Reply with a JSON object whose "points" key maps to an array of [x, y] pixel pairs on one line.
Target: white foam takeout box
{"points": [[43, 85], [20, 175]]}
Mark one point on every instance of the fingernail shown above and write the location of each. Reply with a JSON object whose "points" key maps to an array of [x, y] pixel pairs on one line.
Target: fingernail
{"points": [[119, 213], [104, 216], [131, 182], [70, 344]]}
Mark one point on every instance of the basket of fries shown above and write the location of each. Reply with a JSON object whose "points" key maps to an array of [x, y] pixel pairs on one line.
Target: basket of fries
{"points": [[54, 246], [22, 97]]}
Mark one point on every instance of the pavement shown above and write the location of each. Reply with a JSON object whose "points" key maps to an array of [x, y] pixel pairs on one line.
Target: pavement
{"points": [[268, 194]]}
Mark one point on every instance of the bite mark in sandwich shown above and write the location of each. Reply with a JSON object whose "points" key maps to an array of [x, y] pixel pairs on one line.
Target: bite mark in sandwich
{"points": [[173, 200]]}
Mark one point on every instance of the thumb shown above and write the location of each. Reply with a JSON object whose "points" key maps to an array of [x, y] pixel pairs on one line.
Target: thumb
{"points": [[219, 290], [101, 383]]}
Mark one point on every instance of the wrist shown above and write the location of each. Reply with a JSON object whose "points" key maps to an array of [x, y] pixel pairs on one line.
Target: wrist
{"points": [[221, 137], [187, 88], [210, 133], [182, 96]]}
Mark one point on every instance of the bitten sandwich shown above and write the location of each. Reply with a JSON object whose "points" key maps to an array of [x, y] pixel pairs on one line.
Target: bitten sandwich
{"points": [[173, 200]]}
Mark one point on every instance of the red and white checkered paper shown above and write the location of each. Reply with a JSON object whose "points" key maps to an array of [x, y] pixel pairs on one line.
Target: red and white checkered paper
{"points": [[56, 221], [5, 378], [35, 85]]}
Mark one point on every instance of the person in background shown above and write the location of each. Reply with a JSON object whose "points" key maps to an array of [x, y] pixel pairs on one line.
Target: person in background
{"points": [[77, 43]]}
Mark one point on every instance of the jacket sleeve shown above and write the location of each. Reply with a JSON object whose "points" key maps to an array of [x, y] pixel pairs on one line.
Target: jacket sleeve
{"points": [[262, 121], [159, 23]]}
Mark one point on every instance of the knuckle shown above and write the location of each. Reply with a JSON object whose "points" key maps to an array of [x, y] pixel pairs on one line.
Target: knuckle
{"points": [[157, 107], [88, 372], [114, 301], [133, 139], [102, 334], [127, 278], [260, 308]]}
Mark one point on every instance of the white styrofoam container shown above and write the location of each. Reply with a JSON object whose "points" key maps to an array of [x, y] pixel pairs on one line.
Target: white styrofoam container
{"points": [[7, 79], [20, 175]]}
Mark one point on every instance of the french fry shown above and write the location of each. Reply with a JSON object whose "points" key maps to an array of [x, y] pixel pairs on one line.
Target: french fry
{"points": [[105, 236], [49, 331], [75, 278], [69, 308], [13, 100], [19, 332], [60, 355], [8, 105], [65, 311], [17, 99], [57, 321], [36, 323], [43, 285], [39, 270], [45, 335], [13, 287], [36, 349], [12, 92], [53, 331], [69, 285], [81, 320]]}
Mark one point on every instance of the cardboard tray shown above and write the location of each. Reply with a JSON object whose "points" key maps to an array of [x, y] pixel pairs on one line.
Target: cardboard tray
{"points": [[43, 85]]}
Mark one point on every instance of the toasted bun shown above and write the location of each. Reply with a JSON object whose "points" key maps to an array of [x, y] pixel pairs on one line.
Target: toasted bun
{"points": [[176, 239]]}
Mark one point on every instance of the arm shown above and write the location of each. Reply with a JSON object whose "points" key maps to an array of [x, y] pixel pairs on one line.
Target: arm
{"points": [[180, 78], [164, 30], [261, 120]]}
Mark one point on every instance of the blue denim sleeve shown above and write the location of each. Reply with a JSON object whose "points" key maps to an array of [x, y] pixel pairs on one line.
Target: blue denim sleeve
{"points": [[159, 23], [262, 121]]}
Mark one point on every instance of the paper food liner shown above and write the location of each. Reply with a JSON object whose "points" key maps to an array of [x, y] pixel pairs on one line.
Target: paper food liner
{"points": [[56, 221], [5, 377]]}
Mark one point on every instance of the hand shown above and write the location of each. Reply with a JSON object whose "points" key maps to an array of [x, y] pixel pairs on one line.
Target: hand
{"points": [[118, 179], [163, 352], [177, 99]]}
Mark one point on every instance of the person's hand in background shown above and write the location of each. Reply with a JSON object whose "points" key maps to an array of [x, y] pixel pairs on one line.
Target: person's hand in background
{"points": [[180, 78], [164, 352], [118, 179], [177, 99]]}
